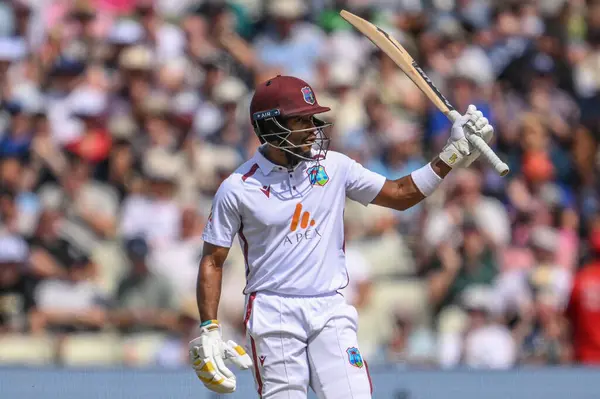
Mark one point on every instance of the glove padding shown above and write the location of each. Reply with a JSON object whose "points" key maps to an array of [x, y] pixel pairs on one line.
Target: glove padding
{"points": [[207, 355], [459, 152]]}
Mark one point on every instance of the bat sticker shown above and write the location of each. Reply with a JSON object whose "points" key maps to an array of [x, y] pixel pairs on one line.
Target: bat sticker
{"points": [[430, 83], [384, 33]]}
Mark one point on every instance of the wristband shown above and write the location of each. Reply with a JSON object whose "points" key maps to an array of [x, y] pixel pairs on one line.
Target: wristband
{"points": [[426, 179], [208, 322]]}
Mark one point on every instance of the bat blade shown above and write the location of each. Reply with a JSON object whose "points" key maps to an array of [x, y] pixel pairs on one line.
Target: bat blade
{"points": [[393, 49]]}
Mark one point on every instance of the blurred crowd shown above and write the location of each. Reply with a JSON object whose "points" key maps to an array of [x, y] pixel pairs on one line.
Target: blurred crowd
{"points": [[120, 118]]}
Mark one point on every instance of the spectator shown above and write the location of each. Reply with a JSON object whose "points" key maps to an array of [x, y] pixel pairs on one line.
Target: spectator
{"points": [[583, 311], [174, 351], [411, 344], [94, 143], [90, 206], [64, 77], [17, 140], [544, 339], [69, 301], [52, 255], [9, 213], [178, 261], [16, 288], [465, 200], [21, 204], [289, 43], [166, 38], [122, 162], [487, 344], [343, 82], [233, 131], [161, 170], [358, 290], [454, 270], [544, 279], [144, 302]]}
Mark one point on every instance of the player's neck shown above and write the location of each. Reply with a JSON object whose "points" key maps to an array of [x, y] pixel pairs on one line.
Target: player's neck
{"points": [[276, 156]]}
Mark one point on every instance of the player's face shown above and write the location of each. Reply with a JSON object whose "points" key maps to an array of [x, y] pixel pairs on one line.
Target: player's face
{"points": [[304, 139]]}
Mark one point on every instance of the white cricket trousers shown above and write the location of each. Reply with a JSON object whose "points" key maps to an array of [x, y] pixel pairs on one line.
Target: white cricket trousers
{"points": [[297, 342]]}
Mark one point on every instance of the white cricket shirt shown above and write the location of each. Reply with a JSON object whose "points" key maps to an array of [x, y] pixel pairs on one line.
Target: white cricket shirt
{"points": [[290, 223]]}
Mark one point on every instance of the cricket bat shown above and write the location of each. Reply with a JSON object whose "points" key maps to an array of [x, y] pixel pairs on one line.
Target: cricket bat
{"points": [[400, 56]]}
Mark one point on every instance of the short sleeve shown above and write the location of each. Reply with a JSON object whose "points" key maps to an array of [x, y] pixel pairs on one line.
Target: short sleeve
{"points": [[224, 219], [362, 185]]}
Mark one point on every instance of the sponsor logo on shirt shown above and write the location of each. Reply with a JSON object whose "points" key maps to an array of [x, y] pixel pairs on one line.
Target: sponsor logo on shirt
{"points": [[303, 227], [301, 218]]}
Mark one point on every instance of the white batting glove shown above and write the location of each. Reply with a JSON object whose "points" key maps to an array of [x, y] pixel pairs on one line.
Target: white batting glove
{"points": [[458, 152], [208, 353]]}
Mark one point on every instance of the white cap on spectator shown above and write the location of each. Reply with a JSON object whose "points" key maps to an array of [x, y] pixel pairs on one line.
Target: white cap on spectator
{"points": [[173, 72], [13, 249], [478, 297], [345, 46], [184, 103], [87, 102], [401, 131], [29, 98], [545, 238], [343, 74], [160, 164], [474, 65], [177, 66], [449, 26], [126, 31], [122, 126], [551, 194], [287, 8], [12, 49], [413, 6], [550, 7], [137, 57], [230, 90]]}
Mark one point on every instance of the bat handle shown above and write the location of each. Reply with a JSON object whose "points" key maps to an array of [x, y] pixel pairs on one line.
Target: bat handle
{"points": [[489, 154], [483, 148]]}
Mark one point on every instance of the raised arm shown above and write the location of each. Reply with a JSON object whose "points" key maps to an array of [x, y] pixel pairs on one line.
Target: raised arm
{"points": [[210, 276], [403, 193], [409, 190]]}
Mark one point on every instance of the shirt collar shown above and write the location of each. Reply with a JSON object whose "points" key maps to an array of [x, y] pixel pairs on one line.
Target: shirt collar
{"points": [[264, 164], [267, 166]]}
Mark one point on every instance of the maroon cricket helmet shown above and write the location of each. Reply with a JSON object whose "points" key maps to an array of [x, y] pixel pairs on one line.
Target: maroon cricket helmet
{"points": [[284, 96]]}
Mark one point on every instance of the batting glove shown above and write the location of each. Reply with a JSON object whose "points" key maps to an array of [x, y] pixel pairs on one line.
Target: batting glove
{"points": [[208, 353], [459, 152]]}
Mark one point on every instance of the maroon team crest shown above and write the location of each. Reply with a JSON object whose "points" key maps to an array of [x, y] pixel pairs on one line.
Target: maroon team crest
{"points": [[309, 96]]}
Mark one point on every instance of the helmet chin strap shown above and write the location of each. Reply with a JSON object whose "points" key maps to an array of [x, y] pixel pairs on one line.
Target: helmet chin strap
{"points": [[294, 153], [292, 159]]}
